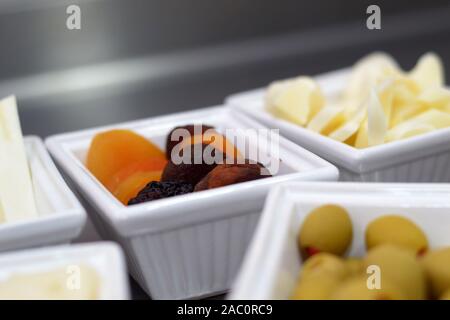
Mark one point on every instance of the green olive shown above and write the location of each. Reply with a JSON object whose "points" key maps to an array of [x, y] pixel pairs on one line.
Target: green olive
{"points": [[315, 287], [356, 288], [355, 266], [325, 263], [326, 229], [399, 266], [396, 230], [445, 295], [437, 269]]}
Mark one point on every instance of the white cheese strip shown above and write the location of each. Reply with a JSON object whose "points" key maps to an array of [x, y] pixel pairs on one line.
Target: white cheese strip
{"points": [[428, 72], [436, 97], [16, 189], [74, 282], [2, 215], [350, 127], [296, 100], [405, 112], [366, 74], [425, 122], [362, 138], [327, 119], [376, 120]]}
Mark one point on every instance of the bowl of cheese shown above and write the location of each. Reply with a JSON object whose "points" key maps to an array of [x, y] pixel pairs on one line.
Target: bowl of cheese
{"points": [[375, 121]]}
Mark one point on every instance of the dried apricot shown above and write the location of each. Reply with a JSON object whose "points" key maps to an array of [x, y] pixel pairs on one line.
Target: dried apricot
{"points": [[131, 186], [148, 165], [113, 150]]}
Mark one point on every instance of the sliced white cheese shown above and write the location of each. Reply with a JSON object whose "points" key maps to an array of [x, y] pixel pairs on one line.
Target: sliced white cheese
{"points": [[2, 215], [366, 74], [350, 127], [362, 138], [405, 103], [436, 97], [273, 91], [425, 122], [16, 189], [297, 100], [327, 119], [377, 120], [428, 72], [74, 282], [401, 113]]}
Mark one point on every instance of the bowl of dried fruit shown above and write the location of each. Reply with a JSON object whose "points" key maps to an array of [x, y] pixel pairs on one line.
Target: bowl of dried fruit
{"points": [[182, 193]]}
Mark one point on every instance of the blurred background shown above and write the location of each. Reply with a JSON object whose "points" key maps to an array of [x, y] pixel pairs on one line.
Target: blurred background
{"points": [[140, 58]]}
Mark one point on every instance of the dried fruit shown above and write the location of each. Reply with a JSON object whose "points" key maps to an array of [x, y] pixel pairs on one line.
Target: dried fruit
{"points": [[194, 167], [159, 190], [198, 134], [153, 164], [131, 186], [113, 150], [192, 129], [226, 174]]}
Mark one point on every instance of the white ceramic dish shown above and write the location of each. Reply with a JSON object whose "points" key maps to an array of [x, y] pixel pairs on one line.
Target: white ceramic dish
{"points": [[271, 267], [188, 246], [106, 258], [424, 158], [61, 217]]}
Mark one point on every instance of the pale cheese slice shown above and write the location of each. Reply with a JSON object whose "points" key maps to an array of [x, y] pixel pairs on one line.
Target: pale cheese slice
{"points": [[425, 122], [377, 119], [298, 100], [366, 74], [362, 136], [2, 214], [428, 72], [402, 113], [273, 91], [73, 282], [436, 97], [350, 127], [16, 189], [405, 103], [327, 119]]}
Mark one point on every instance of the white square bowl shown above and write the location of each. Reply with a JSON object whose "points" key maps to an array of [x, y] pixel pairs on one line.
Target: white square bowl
{"points": [[105, 258], [188, 246], [272, 264], [423, 158], [60, 215]]}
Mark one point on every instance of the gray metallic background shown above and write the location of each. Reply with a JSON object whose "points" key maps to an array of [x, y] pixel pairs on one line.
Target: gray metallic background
{"points": [[137, 58]]}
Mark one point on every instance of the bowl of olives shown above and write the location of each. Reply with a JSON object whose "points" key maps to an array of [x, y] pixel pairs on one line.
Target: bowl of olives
{"points": [[350, 241]]}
